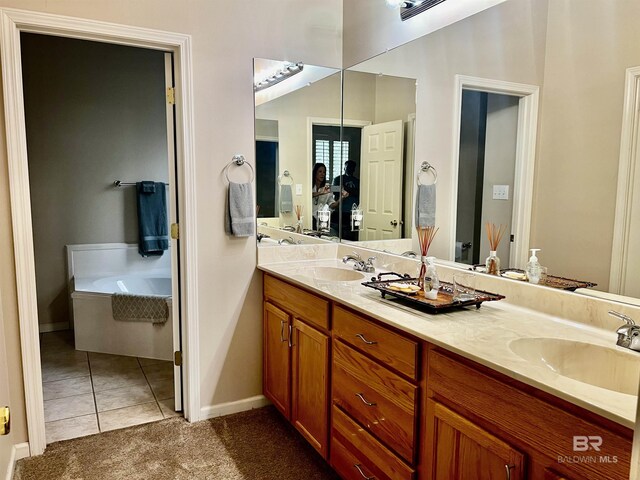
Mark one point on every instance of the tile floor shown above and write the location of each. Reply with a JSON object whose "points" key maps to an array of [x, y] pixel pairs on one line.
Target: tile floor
{"points": [[86, 392]]}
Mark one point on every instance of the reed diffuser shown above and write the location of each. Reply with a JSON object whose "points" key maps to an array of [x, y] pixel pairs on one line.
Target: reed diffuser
{"points": [[299, 217], [494, 234], [425, 237]]}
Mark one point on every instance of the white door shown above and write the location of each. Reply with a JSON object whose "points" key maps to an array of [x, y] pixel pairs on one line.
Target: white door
{"points": [[630, 285], [381, 180], [173, 218], [6, 443]]}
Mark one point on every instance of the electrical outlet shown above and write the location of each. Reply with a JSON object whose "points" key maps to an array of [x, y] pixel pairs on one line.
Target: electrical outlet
{"points": [[501, 192], [298, 189]]}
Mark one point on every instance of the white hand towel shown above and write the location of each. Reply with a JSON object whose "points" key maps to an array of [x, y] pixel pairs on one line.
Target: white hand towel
{"points": [[426, 205], [240, 220]]}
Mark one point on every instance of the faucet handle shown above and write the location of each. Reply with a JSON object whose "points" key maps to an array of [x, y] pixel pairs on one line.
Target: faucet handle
{"points": [[370, 260], [627, 319]]}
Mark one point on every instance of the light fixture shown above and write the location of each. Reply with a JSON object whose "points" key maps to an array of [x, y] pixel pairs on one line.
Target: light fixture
{"points": [[287, 71], [410, 8]]}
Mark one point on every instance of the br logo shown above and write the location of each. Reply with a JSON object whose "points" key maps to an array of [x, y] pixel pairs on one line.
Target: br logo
{"points": [[583, 443]]}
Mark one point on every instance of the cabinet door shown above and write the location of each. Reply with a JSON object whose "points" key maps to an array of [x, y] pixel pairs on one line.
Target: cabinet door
{"points": [[310, 384], [463, 451], [277, 372]]}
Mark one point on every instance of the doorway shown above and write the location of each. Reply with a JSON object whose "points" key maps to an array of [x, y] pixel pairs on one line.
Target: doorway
{"points": [[488, 135], [109, 121], [522, 192], [179, 45]]}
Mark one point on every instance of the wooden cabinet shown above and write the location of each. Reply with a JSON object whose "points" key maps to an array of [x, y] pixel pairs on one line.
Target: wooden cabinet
{"points": [[403, 409], [460, 450], [276, 376], [375, 409], [310, 384], [533, 422], [296, 360]]}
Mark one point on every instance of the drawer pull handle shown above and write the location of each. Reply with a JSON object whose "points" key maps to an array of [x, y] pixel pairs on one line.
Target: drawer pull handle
{"points": [[368, 342], [357, 465], [508, 469], [282, 339], [368, 404]]}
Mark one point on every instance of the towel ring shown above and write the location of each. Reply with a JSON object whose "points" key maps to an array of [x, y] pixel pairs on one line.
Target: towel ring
{"points": [[238, 160], [425, 167], [285, 174]]}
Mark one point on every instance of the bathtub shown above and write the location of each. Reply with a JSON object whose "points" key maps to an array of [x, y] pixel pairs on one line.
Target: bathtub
{"points": [[95, 328]]}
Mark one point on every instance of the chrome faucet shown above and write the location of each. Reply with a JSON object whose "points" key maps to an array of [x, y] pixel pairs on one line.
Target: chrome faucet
{"points": [[288, 241], [359, 264], [410, 254], [629, 333]]}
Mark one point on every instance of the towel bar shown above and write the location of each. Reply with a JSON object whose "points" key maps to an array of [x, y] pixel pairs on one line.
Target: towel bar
{"points": [[238, 160], [285, 174], [425, 167]]}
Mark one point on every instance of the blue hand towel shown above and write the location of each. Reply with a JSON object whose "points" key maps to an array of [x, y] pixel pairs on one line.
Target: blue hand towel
{"points": [[240, 220], [153, 228], [286, 199], [426, 205]]}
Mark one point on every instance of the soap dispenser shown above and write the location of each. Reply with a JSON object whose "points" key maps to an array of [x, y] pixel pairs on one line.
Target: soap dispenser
{"points": [[533, 268]]}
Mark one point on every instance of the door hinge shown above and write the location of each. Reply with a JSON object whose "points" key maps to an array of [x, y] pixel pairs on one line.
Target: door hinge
{"points": [[177, 358], [175, 231], [171, 95], [512, 238], [5, 421]]}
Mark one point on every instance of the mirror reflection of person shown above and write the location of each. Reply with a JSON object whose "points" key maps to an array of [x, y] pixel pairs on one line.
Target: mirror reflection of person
{"points": [[320, 193], [350, 197]]}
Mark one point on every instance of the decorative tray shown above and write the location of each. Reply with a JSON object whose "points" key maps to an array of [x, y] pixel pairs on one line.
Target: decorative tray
{"points": [[416, 298], [548, 281]]}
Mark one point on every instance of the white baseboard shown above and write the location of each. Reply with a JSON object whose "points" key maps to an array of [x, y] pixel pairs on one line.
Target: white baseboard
{"points": [[228, 408], [18, 451], [52, 327]]}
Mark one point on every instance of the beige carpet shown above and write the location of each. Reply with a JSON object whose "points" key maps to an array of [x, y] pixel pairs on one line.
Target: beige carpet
{"points": [[253, 445]]}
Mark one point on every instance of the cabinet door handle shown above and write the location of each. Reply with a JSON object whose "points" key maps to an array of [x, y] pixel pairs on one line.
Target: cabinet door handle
{"points": [[357, 465], [368, 342], [290, 335], [282, 339], [508, 470], [364, 400]]}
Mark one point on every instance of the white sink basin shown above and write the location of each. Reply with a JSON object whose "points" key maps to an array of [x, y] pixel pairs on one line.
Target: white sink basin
{"points": [[596, 365], [334, 274]]}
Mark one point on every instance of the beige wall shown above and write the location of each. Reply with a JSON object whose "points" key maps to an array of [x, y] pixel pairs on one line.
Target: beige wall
{"points": [[590, 44], [370, 28], [226, 36], [107, 122]]}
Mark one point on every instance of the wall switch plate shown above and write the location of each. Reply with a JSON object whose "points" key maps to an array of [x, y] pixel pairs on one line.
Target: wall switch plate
{"points": [[501, 192], [298, 189]]}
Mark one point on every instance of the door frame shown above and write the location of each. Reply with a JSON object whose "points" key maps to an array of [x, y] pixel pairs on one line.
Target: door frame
{"points": [[13, 22], [626, 169], [524, 161]]}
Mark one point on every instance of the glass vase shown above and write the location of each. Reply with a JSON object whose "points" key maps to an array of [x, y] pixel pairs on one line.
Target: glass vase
{"points": [[423, 270], [493, 263]]}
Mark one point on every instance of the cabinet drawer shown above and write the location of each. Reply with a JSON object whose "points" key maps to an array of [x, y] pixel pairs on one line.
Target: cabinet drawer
{"points": [[390, 348], [351, 445], [297, 301], [377, 398]]}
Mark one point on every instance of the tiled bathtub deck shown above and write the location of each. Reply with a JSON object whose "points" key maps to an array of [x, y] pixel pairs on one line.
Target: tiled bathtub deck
{"points": [[86, 393]]}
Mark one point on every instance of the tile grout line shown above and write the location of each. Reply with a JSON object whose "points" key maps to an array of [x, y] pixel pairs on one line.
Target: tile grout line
{"points": [[93, 390], [151, 388]]}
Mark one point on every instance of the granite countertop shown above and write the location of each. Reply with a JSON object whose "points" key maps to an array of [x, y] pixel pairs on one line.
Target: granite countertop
{"points": [[482, 335]]}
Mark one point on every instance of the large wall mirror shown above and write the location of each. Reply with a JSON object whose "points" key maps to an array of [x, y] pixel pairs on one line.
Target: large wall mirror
{"points": [[297, 124], [519, 109]]}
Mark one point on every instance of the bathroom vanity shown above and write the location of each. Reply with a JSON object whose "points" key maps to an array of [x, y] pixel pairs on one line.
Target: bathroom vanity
{"points": [[382, 392]]}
